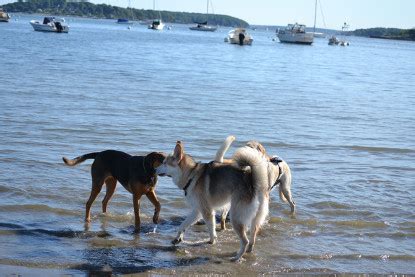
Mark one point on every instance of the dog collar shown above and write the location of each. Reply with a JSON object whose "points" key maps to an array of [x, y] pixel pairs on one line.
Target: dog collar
{"points": [[277, 161], [190, 180], [187, 186]]}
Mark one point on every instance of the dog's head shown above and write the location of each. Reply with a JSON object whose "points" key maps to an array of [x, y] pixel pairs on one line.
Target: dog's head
{"points": [[156, 159], [258, 146], [175, 163]]}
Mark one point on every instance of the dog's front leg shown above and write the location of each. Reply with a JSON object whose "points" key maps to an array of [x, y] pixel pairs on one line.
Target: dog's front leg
{"points": [[136, 201], [190, 220], [151, 195]]}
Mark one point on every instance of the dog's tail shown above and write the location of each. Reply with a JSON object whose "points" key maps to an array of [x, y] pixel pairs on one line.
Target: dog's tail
{"points": [[224, 147], [247, 156], [79, 159]]}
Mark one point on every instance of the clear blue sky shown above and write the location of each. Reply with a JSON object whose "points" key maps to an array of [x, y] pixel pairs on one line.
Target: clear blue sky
{"points": [[357, 13]]}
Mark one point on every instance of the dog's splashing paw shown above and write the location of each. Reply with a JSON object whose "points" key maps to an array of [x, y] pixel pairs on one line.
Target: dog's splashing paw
{"points": [[176, 241]]}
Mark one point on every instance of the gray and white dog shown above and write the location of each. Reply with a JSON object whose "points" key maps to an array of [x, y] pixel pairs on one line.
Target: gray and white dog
{"points": [[279, 173]]}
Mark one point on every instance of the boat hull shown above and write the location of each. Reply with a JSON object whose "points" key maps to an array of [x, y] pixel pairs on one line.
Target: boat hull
{"points": [[39, 27], [236, 41], [296, 38], [204, 29], [4, 17]]}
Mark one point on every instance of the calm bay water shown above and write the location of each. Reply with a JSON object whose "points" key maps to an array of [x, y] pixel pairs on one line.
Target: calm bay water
{"points": [[343, 118]]}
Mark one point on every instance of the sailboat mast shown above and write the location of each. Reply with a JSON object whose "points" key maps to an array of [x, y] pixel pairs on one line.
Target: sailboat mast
{"points": [[207, 11], [315, 16], [154, 5]]}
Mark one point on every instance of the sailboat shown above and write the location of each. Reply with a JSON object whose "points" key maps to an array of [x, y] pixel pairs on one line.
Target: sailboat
{"points": [[296, 33], [157, 24], [203, 26], [126, 20]]}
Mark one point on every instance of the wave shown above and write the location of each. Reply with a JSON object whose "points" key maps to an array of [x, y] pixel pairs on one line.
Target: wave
{"points": [[373, 149], [16, 229], [361, 224], [329, 204], [38, 208], [353, 256]]}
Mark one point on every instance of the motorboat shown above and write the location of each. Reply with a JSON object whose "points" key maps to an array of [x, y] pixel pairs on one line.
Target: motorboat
{"points": [[203, 27], [344, 43], [50, 24], [4, 17], [333, 40], [239, 36], [295, 33], [156, 24]]}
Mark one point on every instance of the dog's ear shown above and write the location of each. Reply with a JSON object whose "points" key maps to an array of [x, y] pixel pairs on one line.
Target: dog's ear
{"points": [[156, 158], [178, 151], [160, 159]]}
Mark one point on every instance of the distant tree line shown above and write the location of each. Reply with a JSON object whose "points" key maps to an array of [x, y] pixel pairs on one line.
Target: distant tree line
{"points": [[387, 33], [86, 9]]}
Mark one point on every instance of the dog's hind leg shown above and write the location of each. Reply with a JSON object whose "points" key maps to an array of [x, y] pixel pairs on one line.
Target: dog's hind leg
{"points": [[97, 184], [190, 220], [286, 192], [257, 222], [209, 217], [111, 183], [240, 230], [223, 218]]}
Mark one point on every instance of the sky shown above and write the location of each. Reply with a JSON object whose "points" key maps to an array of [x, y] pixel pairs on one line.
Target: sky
{"points": [[330, 13]]}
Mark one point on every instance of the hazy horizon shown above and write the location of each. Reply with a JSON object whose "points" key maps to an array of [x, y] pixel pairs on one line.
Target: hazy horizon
{"points": [[330, 14]]}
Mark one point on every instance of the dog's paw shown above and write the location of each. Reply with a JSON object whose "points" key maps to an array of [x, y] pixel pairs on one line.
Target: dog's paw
{"points": [[156, 218], [250, 248], [212, 241], [237, 259], [176, 241]]}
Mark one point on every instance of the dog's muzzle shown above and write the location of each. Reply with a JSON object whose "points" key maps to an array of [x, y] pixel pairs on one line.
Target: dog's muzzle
{"points": [[162, 171]]}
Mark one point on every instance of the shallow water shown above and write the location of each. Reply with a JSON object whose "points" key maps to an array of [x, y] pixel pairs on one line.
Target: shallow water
{"points": [[341, 117]]}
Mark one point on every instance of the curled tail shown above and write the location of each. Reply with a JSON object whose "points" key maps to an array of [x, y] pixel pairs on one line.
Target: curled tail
{"points": [[79, 159], [247, 156], [224, 147]]}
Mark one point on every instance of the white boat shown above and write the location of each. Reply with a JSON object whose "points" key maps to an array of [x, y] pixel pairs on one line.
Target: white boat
{"points": [[50, 24], [156, 24], [239, 36], [204, 27], [4, 17], [333, 40], [295, 33]]}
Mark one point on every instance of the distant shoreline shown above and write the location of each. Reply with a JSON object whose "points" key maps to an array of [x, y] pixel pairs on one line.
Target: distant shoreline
{"points": [[386, 33], [103, 11]]}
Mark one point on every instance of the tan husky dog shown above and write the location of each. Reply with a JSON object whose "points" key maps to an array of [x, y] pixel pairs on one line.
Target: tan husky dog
{"points": [[211, 186]]}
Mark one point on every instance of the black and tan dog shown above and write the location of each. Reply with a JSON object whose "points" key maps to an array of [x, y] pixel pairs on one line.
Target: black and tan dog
{"points": [[135, 173]]}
